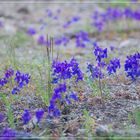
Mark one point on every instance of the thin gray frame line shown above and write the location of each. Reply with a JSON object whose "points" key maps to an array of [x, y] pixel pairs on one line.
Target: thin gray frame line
{"points": [[65, 2]]}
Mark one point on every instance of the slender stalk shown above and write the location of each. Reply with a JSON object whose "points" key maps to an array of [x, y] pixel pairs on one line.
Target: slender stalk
{"points": [[100, 83], [100, 87], [49, 50]]}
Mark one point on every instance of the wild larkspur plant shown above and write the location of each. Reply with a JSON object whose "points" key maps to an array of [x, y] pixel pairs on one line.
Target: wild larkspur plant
{"points": [[20, 80], [94, 72], [113, 65], [53, 108], [61, 72], [66, 70], [59, 97], [132, 66]]}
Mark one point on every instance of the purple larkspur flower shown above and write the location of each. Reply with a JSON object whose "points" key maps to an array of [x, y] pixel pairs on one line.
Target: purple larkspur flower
{"points": [[61, 70], [76, 70], [15, 90], [94, 72], [3, 82], [113, 65], [22, 79], [39, 114], [53, 110], [132, 66], [73, 96], [100, 53], [66, 70], [31, 31], [9, 73], [57, 96], [26, 117]]}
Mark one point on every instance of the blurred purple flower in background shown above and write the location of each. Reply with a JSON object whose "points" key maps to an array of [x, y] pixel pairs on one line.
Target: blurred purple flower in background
{"points": [[49, 13], [1, 24], [31, 31], [64, 40], [73, 20], [81, 39]]}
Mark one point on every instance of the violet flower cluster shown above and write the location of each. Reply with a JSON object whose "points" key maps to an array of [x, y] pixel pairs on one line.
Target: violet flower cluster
{"points": [[61, 72], [113, 65], [100, 53], [53, 108], [27, 116], [8, 74], [20, 80], [59, 97], [132, 66], [66, 70], [94, 72]]}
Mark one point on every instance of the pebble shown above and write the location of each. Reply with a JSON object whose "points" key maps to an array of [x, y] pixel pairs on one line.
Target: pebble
{"points": [[102, 130]]}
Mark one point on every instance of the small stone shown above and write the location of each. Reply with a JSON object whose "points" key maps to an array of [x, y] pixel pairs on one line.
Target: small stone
{"points": [[102, 130]]}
